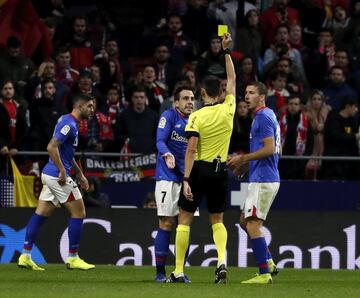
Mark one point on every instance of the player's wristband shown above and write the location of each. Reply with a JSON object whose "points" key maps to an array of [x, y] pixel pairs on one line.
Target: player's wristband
{"points": [[186, 179], [226, 51]]}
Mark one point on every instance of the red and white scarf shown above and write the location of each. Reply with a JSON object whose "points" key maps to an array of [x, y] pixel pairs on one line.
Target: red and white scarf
{"points": [[301, 129]]}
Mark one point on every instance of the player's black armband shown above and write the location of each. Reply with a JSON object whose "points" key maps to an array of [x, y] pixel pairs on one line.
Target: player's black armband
{"points": [[186, 179]]}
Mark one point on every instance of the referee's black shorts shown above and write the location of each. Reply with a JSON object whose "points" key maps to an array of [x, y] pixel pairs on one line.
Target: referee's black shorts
{"points": [[204, 182]]}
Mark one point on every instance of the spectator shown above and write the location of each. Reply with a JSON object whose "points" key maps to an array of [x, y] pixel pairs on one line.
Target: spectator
{"points": [[295, 137], [278, 14], [321, 59], [317, 111], [46, 72], [13, 123], [96, 133], [247, 73], [156, 91], [337, 88], [280, 49], [211, 62], [43, 118], [80, 46], [277, 94], [14, 65], [93, 197], [136, 126], [64, 72], [225, 13], [84, 85], [341, 139], [150, 202], [249, 40], [112, 107], [239, 142], [197, 25], [167, 72]]}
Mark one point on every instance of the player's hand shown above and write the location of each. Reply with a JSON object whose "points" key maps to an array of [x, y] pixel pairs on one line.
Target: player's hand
{"points": [[4, 150], [236, 161], [226, 41], [13, 151], [170, 160], [62, 177], [187, 191], [84, 183]]}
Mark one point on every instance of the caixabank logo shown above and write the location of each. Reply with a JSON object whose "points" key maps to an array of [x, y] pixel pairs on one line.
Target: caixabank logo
{"points": [[11, 243], [126, 237]]}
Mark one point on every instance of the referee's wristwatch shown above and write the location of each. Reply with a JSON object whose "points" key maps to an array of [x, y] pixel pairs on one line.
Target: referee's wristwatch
{"points": [[186, 179]]}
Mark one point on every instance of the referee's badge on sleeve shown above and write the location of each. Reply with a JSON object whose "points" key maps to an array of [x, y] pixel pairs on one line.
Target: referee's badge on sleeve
{"points": [[162, 122], [65, 130]]}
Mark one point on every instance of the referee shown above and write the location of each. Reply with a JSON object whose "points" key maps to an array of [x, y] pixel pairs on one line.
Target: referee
{"points": [[208, 131]]}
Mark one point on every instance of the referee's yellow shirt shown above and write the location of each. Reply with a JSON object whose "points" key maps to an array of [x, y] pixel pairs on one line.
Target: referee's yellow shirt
{"points": [[213, 125]]}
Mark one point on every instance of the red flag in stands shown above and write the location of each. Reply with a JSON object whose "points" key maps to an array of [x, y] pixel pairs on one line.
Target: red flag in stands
{"points": [[19, 18]]}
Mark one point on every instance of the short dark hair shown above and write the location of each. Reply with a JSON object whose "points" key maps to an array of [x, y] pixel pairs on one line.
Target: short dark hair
{"points": [[259, 86], [294, 95], [211, 84], [181, 88], [45, 82], [13, 42], [82, 97], [138, 88], [348, 100]]}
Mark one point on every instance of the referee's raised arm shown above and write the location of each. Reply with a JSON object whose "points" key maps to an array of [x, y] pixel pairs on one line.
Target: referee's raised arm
{"points": [[230, 71]]}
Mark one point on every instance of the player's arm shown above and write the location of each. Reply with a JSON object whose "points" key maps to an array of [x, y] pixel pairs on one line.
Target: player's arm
{"points": [[230, 71], [84, 184], [189, 163], [240, 160], [162, 137], [53, 149]]}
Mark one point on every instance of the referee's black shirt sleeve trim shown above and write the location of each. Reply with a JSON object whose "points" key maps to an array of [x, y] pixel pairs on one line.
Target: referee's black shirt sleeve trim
{"points": [[190, 134]]}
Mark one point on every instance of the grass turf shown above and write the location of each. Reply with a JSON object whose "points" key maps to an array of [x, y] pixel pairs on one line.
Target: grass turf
{"points": [[131, 281]]}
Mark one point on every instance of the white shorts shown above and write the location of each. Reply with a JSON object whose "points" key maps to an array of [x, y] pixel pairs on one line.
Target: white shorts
{"points": [[260, 198], [53, 192], [167, 196]]}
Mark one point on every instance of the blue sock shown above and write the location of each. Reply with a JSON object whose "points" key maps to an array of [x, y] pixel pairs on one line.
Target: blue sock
{"points": [[32, 230], [162, 242], [268, 254], [260, 252], [74, 232]]}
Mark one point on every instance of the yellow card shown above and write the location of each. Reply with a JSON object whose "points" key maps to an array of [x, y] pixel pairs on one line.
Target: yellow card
{"points": [[222, 29]]}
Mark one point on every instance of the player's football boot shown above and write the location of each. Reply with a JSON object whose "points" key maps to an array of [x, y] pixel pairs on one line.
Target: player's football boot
{"points": [[221, 274], [180, 278], [259, 279], [272, 267], [25, 261], [77, 263], [160, 277]]}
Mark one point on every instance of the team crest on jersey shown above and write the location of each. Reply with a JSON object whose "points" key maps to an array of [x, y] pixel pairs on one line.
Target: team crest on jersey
{"points": [[65, 130], [162, 122]]}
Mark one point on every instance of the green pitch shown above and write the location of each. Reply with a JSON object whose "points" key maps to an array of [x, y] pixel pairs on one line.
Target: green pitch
{"points": [[130, 281]]}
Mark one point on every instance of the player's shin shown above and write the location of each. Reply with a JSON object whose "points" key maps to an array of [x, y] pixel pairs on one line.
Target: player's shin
{"points": [[74, 232], [162, 242], [260, 252], [181, 245], [32, 230]]}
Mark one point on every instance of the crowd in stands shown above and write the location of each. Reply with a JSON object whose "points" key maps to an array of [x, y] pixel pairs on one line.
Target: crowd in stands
{"points": [[306, 51]]}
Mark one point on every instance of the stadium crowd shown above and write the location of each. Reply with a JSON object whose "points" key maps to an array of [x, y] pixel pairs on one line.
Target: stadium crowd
{"points": [[131, 56]]}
